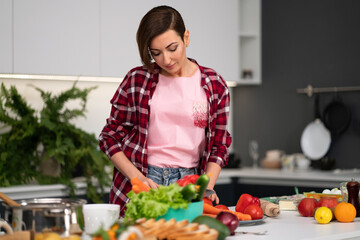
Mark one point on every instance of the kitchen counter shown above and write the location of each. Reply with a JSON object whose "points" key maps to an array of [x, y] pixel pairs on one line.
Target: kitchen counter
{"points": [[42, 191], [278, 177], [246, 175], [290, 225]]}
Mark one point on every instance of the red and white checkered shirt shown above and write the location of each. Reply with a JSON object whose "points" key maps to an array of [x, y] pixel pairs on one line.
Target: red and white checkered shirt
{"points": [[126, 129]]}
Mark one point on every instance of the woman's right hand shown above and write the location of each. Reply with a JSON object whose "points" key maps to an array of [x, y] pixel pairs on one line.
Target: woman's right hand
{"points": [[127, 168], [148, 182]]}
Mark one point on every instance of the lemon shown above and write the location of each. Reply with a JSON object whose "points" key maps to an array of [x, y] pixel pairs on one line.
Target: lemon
{"points": [[323, 215], [39, 236]]}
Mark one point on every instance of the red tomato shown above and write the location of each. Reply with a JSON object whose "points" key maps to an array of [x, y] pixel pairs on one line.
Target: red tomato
{"points": [[256, 201], [329, 202], [254, 211], [307, 207], [208, 201], [220, 206]]}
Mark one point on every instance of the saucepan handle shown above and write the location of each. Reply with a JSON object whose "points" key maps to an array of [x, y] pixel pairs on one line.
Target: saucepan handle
{"points": [[6, 226], [55, 212]]}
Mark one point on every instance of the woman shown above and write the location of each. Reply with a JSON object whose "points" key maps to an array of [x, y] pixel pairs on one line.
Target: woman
{"points": [[168, 117]]}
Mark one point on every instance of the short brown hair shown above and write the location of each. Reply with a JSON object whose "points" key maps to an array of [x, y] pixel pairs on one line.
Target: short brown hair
{"points": [[155, 22]]}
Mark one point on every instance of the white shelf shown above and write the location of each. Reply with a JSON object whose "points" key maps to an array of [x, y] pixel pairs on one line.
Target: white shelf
{"points": [[249, 42], [252, 81], [249, 35], [279, 177]]}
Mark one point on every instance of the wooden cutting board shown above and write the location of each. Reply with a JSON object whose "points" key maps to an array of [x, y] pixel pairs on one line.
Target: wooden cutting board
{"points": [[20, 235]]}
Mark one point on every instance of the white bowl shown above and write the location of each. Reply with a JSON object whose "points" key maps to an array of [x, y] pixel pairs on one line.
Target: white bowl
{"points": [[100, 214]]}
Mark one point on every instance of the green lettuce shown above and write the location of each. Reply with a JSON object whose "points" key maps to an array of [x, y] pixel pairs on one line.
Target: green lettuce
{"points": [[155, 202]]}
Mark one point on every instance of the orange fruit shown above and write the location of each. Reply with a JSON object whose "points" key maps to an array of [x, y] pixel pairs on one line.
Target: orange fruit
{"points": [[345, 212]]}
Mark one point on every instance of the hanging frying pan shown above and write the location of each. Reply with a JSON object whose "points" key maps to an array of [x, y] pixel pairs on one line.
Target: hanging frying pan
{"points": [[336, 117], [315, 139]]}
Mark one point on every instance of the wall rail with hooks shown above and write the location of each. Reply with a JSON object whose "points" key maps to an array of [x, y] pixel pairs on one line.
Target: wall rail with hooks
{"points": [[310, 90]]}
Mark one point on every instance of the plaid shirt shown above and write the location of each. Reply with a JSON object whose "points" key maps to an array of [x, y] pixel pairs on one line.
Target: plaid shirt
{"points": [[127, 127]]}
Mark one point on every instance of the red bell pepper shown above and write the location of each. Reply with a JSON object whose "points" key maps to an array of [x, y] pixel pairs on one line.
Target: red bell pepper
{"points": [[187, 179], [244, 201]]}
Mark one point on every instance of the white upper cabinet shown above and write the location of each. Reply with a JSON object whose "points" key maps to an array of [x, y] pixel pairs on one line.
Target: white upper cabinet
{"points": [[56, 37], [98, 37], [119, 23], [211, 23], [6, 45], [213, 34]]}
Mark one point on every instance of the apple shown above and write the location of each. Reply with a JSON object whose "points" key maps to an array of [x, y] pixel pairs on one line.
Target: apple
{"points": [[307, 207], [329, 202]]}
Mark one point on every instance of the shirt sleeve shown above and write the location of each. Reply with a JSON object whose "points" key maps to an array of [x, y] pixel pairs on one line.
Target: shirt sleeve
{"points": [[120, 121], [222, 139]]}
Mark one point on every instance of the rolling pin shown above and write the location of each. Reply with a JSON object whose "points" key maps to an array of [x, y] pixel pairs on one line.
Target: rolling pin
{"points": [[270, 209]]}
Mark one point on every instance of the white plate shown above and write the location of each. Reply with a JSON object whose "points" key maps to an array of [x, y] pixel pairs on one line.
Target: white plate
{"points": [[315, 140], [251, 222]]}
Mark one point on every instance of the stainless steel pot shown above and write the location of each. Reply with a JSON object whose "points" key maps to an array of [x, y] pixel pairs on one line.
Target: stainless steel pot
{"points": [[60, 215]]}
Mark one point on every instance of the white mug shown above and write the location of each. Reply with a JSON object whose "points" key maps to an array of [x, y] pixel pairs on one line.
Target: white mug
{"points": [[97, 215], [6, 226], [17, 222], [301, 161]]}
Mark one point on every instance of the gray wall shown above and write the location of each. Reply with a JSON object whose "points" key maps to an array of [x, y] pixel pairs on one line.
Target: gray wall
{"points": [[304, 42]]}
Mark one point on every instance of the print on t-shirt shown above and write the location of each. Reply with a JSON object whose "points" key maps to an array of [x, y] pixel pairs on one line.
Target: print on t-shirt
{"points": [[200, 114]]}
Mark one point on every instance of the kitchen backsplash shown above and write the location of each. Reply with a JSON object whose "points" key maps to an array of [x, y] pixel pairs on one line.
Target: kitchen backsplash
{"points": [[98, 104], [307, 42]]}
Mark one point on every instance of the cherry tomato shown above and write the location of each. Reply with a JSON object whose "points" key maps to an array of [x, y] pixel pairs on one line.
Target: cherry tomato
{"points": [[254, 211], [220, 206], [208, 201]]}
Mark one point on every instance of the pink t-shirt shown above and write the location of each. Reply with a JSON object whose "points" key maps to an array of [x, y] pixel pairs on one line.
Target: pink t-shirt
{"points": [[178, 117]]}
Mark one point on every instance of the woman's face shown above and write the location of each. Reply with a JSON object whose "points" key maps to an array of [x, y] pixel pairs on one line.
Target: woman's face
{"points": [[169, 52]]}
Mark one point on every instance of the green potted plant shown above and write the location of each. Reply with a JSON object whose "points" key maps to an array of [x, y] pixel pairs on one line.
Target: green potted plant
{"points": [[31, 141]]}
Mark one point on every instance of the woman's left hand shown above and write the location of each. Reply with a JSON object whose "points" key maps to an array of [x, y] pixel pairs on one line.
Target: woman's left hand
{"points": [[213, 197]]}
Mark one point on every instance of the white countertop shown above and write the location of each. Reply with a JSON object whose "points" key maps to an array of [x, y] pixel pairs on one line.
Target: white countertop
{"points": [[290, 225], [278, 177]]}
